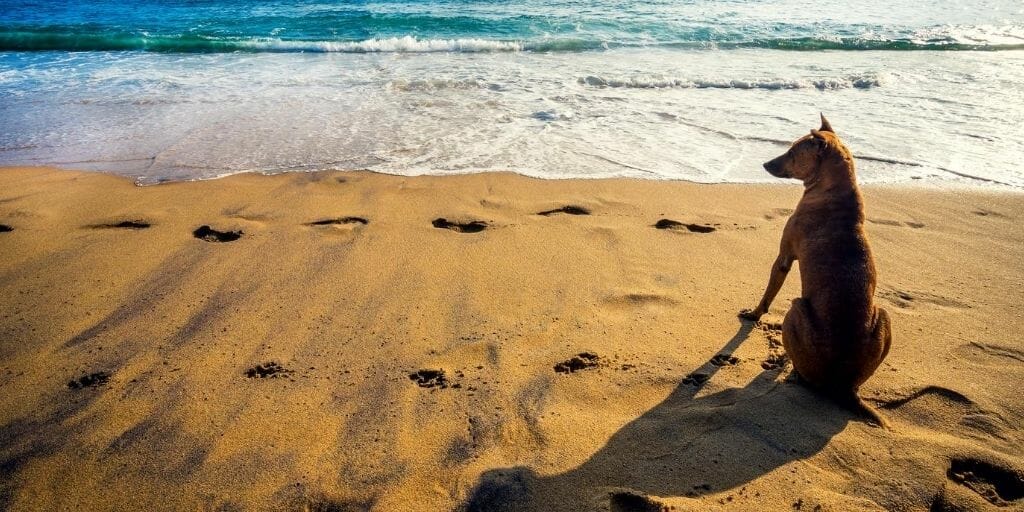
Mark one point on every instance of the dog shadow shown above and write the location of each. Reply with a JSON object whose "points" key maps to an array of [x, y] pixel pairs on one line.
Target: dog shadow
{"points": [[684, 446]]}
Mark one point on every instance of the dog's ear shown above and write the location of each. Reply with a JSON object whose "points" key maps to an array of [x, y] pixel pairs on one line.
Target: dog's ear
{"points": [[825, 126], [820, 142]]}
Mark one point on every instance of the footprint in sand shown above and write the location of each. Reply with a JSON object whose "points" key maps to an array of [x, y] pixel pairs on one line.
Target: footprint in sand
{"points": [[886, 222], [125, 224], [4, 228], [269, 370], [629, 501], [899, 298], [248, 214], [984, 212], [581, 361], [775, 361], [777, 358], [633, 300], [907, 300], [998, 485], [339, 221], [674, 225], [896, 223], [89, 381], [724, 360], [696, 379], [569, 209], [299, 496], [425, 378], [475, 226], [778, 212], [208, 234], [990, 355]]}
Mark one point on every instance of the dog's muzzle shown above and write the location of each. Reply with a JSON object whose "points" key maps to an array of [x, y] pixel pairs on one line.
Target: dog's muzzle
{"points": [[774, 168]]}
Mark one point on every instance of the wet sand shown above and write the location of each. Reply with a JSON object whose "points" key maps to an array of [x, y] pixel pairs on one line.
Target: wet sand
{"points": [[354, 341]]}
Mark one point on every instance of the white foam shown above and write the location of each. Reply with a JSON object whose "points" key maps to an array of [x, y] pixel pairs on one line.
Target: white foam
{"points": [[1007, 34], [857, 82], [434, 84], [407, 44], [699, 115]]}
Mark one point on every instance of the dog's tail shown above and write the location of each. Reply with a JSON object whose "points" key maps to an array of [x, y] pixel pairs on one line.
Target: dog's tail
{"points": [[857, 405]]}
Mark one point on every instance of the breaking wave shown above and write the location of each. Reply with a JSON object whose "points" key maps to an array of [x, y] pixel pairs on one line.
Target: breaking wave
{"points": [[70, 39]]}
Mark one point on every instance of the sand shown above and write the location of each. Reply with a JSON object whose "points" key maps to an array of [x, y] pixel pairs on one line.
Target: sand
{"points": [[143, 368]]}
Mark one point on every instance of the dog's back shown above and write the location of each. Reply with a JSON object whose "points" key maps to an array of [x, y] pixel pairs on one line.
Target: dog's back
{"points": [[837, 273]]}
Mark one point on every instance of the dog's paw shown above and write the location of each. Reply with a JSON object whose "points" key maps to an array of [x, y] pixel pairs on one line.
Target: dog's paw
{"points": [[750, 314]]}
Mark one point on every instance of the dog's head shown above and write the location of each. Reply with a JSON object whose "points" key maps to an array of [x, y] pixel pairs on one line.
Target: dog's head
{"points": [[804, 158]]}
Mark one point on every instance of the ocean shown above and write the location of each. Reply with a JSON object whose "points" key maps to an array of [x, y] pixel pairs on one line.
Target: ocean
{"points": [[701, 90]]}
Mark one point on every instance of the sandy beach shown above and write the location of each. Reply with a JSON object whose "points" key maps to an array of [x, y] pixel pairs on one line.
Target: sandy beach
{"points": [[359, 341]]}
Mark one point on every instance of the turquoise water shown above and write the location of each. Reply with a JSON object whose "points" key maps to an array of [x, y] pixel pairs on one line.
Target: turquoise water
{"points": [[699, 90], [557, 25]]}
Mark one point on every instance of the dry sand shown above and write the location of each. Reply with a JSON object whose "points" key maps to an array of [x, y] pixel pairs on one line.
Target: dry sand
{"points": [[349, 310]]}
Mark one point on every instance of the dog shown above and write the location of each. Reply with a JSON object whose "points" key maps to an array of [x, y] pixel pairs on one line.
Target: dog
{"points": [[834, 334]]}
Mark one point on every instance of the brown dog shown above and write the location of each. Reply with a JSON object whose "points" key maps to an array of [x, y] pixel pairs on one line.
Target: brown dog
{"points": [[834, 334]]}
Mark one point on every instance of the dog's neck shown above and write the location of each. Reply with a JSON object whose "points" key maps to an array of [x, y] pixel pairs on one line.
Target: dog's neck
{"points": [[834, 187], [835, 174]]}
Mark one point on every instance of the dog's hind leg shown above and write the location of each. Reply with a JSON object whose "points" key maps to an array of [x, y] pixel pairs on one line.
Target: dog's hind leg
{"points": [[815, 362], [882, 334], [878, 347], [875, 348], [798, 338]]}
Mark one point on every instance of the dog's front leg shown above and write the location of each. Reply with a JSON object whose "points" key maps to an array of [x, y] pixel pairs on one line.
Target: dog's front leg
{"points": [[779, 272]]}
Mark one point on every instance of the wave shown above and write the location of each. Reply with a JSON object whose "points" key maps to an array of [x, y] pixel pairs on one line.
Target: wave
{"points": [[52, 39], [856, 82], [869, 44], [435, 84], [48, 41], [407, 44]]}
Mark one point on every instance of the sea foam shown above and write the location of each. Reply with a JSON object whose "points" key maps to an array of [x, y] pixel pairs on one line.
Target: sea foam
{"points": [[856, 81], [407, 44]]}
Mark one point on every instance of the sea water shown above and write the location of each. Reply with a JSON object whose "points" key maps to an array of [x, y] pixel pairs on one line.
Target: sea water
{"points": [[700, 90]]}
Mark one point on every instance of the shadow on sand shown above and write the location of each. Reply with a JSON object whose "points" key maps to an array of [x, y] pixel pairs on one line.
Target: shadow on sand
{"points": [[684, 446]]}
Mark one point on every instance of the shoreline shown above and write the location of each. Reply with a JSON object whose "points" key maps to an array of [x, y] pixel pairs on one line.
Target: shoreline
{"points": [[292, 366], [973, 186]]}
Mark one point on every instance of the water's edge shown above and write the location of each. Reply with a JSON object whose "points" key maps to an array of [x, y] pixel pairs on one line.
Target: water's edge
{"points": [[772, 183]]}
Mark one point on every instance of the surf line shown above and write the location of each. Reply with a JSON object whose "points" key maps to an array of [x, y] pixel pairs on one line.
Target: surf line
{"points": [[943, 169], [621, 164]]}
